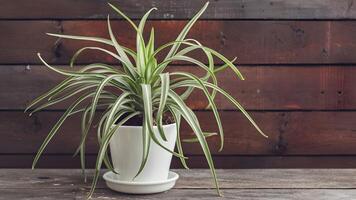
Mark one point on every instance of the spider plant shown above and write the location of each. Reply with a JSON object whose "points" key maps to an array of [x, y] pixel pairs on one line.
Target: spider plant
{"points": [[143, 87]]}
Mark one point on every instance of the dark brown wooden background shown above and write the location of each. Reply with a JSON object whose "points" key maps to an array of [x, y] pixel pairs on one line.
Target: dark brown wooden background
{"points": [[298, 57]]}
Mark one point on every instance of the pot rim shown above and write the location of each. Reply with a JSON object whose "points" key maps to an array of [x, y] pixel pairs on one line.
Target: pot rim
{"points": [[174, 177], [140, 127]]}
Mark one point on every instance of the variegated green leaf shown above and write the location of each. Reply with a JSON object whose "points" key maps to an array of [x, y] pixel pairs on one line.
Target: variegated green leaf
{"points": [[140, 87]]}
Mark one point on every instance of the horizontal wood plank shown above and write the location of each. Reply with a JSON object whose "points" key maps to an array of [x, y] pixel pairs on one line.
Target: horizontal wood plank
{"points": [[41, 194], [193, 179], [251, 194], [252, 42], [224, 162], [195, 184], [264, 87], [290, 133], [176, 194], [184, 9]]}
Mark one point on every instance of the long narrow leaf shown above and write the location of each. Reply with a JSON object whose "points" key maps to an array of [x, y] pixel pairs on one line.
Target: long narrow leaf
{"points": [[177, 119], [185, 31], [57, 126], [193, 123], [102, 150], [94, 39], [146, 92], [162, 103], [228, 96], [128, 66], [211, 103]]}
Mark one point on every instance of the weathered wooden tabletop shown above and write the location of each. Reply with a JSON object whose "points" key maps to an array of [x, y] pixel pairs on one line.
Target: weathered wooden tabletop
{"points": [[246, 184]]}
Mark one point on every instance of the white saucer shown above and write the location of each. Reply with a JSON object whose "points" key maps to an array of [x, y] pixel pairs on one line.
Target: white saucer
{"points": [[113, 182]]}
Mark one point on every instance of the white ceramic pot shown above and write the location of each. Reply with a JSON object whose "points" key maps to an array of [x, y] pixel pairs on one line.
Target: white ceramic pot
{"points": [[126, 153]]}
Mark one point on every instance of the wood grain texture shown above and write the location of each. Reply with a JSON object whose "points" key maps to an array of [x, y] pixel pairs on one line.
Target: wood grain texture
{"points": [[297, 57], [176, 194], [264, 87], [184, 9], [252, 42], [221, 161], [193, 179], [251, 194], [195, 184], [290, 133]]}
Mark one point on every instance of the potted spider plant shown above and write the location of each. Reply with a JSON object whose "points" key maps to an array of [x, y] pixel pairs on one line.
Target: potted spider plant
{"points": [[135, 101]]}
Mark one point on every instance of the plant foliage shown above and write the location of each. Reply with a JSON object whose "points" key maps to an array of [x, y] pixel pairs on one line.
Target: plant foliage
{"points": [[143, 87]]}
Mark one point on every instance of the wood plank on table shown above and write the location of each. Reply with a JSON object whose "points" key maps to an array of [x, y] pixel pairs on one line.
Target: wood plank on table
{"points": [[252, 42], [42, 194], [241, 194], [194, 184], [170, 9], [175, 194], [193, 179]]}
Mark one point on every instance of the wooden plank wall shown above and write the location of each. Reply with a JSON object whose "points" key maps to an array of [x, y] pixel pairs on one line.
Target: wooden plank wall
{"points": [[298, 57]]}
